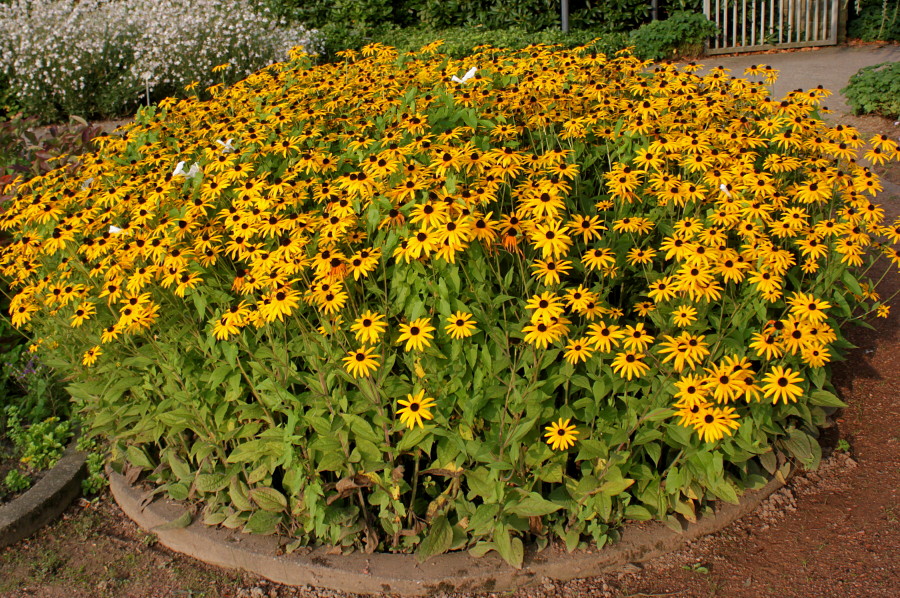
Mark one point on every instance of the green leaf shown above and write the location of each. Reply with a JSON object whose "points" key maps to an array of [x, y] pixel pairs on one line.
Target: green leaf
{"points": [[183, 520], [211, 482], [178, 491], [615, 487], [637, 513], [269, 499], [852, 283], [240, 496], [823, 398], [725, 491], [511, 549], [438, 540], [534, 505], [138, 457], [263, 523], [214, 518]]}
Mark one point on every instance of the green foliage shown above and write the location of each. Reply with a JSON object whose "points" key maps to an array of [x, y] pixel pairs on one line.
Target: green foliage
{"points": [[350, 24], [16, 481], [31, 387], [39, 445], [875, 90], [874, 20], [225, 377], [682, 34], [462, 41], [96, 479], [8, 103]]}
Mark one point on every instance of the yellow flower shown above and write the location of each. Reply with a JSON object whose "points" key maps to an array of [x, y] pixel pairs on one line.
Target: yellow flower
{"points": [[415, 409], [369, 327], [561, 435], [782, 384], [716, 422], [416, 334], [91, 355], [460, 325], [361, 362], [578, 350]]}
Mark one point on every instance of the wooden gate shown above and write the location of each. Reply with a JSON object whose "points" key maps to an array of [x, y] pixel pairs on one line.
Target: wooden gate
{"points": [[750, 25]]}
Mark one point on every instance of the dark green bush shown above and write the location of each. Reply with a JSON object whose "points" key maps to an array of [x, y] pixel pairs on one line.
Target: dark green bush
{"points": [[350, 24], [460, 41], [874, 20], [875, 90], [682, 34]]}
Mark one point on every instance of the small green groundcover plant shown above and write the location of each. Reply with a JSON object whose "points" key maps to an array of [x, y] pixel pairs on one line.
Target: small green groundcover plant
{"points": [[37, 447], [875, 90], [408, 303]]}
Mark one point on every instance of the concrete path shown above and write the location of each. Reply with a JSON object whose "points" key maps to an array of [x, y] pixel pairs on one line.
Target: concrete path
{"points": [[829, 67]]}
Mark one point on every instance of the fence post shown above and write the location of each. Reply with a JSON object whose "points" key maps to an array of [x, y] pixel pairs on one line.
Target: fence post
{"points": [[564, 15]]}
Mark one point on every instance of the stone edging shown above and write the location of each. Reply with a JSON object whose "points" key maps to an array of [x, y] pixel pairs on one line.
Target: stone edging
{"points": [[402, 573], [44, 501]]}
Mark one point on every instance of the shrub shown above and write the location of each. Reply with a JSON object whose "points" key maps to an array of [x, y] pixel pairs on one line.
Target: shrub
{"points": [[97, 58], [395, 303], [682, 34], [26, 152], [460, 42], [874, 20], [875, 90]]}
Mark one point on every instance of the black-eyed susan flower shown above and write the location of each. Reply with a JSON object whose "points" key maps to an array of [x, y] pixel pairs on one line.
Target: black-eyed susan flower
{"points": [[416, 334], [723, 383], [684, 315], [782, 384], [545, 306], [369, 327], [806, 307], [551, 239], [579, 349], [715, 423], [605, 336], [415, 409], [540, 334], [460, 325], [630, 364], [83, 312], [91, 356], [766, 345], [561, 434], [361, 362], [636, 337]]}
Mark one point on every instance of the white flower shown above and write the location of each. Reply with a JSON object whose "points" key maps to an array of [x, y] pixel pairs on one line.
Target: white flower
{"points": [[114, 230], [227, 148], [469, 74]]}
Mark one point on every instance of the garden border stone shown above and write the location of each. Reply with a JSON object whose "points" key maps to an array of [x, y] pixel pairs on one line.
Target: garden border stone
{"points": [[44, 501], [402, 573]]}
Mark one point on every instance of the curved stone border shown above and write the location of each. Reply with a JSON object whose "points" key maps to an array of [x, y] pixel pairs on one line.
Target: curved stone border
{"points": [[44, 501], [402, 573]]}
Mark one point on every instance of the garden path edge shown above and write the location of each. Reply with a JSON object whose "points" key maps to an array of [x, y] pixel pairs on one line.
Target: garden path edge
{"points": [[402, 573], [44, 501]]}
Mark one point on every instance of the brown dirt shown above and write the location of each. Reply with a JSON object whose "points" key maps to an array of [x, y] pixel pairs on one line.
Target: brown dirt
{"points": [[833, 532]]}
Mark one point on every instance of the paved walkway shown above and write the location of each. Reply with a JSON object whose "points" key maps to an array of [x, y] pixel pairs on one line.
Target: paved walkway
{"points": [[829, 67]]}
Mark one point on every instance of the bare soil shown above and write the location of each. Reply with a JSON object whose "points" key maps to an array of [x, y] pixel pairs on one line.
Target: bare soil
{"points": [[833, 532]]}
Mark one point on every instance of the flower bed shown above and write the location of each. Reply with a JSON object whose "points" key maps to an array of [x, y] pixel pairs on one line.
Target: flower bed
{"points": [[407, 303], [104, 58]]}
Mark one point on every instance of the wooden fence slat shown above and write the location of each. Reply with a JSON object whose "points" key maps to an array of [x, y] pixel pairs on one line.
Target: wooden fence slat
{"points": [[767, 23]]}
